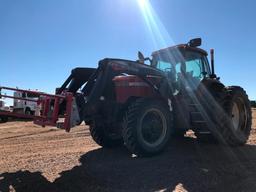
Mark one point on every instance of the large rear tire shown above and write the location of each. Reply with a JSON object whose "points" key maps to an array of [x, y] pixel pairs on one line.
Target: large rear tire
{"points": [[235, 125], [147, 127], [103, 137]]}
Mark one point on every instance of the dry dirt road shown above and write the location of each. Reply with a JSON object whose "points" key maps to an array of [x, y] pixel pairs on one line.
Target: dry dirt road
{"points": [[47, 159]]}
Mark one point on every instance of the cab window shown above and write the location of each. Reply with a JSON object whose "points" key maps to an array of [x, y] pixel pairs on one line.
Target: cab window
{"points": [[167, 68], [195, 67], [177, 69], [164, 66]]}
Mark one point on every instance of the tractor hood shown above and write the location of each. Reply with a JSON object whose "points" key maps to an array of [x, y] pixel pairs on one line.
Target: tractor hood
{"points": [[130, 67], [111, 68]]}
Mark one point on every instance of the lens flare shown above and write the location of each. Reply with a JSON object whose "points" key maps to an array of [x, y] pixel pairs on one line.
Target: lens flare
{"points": [[158, 32], [161, 38], [142, 3]]}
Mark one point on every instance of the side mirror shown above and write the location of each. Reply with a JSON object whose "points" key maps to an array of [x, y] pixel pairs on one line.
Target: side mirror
{"points": [[195, 42], [141, 57]]}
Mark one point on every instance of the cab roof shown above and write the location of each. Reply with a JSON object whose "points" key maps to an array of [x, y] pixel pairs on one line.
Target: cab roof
{"points": [[181, 47]]}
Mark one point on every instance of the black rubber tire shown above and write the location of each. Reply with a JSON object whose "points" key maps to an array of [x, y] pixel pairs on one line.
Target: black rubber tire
{"points": [[28, 111], [132, 127], [228, 133], [102, 137], [3, 119]]}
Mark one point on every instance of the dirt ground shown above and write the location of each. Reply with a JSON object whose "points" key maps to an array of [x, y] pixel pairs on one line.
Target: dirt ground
{"points": [[48, 159]]}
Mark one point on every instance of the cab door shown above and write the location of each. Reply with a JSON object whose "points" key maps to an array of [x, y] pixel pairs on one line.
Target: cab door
{"points": [[195, 69]]}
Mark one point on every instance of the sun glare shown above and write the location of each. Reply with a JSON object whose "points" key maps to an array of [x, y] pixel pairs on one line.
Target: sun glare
{"points": [[142, 3], [158, 32]]}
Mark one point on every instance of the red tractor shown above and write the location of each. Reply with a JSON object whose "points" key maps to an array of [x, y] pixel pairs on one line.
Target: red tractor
{"points": [[143, 105]]}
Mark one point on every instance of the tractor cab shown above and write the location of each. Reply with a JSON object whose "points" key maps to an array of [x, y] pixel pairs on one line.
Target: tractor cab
{"points": [[183, 64], [191, 79]]}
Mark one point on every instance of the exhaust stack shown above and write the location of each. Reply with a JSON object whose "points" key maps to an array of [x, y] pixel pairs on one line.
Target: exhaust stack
{"points": [[213, 75]]}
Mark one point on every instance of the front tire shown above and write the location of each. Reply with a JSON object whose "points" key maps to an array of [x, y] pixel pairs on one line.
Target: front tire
{"points": [[147, 127], [102, 136]]}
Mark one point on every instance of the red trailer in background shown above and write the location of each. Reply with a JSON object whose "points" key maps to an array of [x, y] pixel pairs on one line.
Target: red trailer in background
{"points": [[48, 110]]}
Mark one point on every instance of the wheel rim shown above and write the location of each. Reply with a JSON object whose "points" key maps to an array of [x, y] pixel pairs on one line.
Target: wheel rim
{"points": [[239, 115], [235, 116], [153, 127]]}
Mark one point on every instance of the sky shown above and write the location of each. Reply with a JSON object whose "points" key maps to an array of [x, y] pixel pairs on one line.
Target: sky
{"points": [[42, 41]]}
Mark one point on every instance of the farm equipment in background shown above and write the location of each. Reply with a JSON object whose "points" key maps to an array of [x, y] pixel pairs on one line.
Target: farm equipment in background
{"points": [[25, 106], [23, 103], [144, 105]]}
